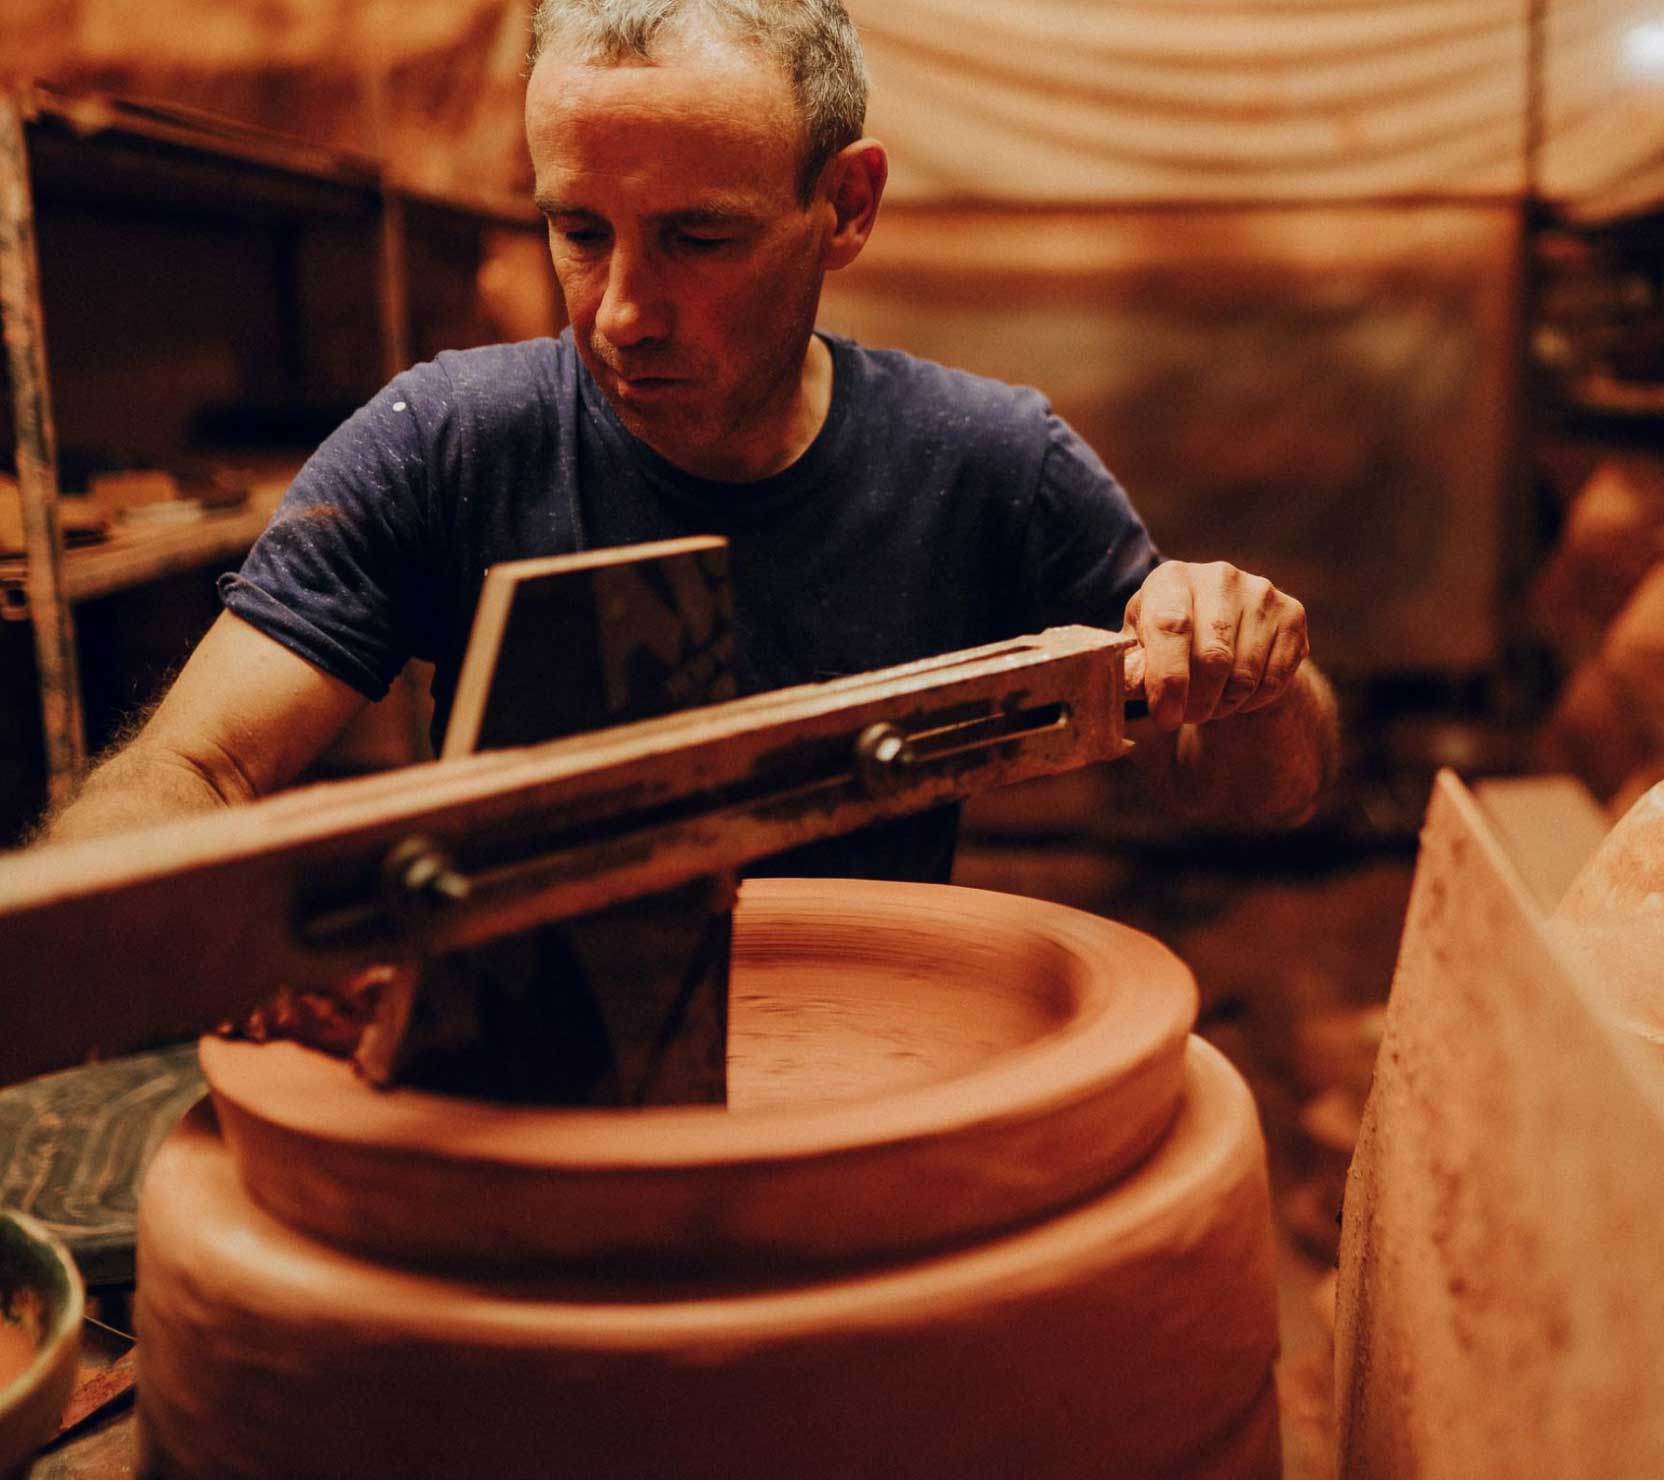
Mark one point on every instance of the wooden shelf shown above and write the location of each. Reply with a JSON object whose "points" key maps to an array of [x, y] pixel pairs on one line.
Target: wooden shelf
{"points": [[1603, 396], [177, 157], [137, 554], [210, 293], [513, 213], [106, 139]]}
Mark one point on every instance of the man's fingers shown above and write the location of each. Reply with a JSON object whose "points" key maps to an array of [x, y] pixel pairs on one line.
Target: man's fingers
{"points": [[1214, 641], [1164, 623], [1216, 598], [1289, 650], [1246, 680], [1262, 612], [1132, 666]]}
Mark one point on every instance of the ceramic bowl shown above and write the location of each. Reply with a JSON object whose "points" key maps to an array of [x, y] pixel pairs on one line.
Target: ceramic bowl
{"points": [[41, 1305]]}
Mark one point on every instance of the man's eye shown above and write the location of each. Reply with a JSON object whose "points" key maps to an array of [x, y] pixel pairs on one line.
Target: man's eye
{"points": [[694, 242], [581, 237]]}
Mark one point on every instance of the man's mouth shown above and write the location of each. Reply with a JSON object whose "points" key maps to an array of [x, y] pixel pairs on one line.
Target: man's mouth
{"points": [[646, 385]]}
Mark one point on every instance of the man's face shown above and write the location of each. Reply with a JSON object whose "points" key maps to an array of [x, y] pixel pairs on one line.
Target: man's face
{"points": [[690, 269]]}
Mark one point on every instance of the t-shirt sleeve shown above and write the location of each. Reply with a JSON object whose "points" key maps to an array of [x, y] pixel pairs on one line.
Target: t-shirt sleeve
{"points": [[335, 575], [1085, 549]]}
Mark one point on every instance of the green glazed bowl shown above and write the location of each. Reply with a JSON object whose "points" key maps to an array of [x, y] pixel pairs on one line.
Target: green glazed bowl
{"points": [[41, 1301]]}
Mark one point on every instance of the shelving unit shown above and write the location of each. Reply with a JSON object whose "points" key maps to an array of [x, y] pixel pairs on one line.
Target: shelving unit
{"points": [[213, 297], [1599, 332], [136, 556]]}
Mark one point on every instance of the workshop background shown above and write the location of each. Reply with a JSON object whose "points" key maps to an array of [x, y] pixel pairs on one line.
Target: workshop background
{"points": [[1367, 297]]}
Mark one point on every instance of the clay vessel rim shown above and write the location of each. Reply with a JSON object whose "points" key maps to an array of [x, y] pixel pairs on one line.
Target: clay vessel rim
{"points": [[1108, 1039], [20, 1398], [1140, 1209]]}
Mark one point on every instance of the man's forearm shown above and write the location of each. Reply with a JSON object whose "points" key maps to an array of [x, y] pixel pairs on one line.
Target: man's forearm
{"points": [[244, 718], [134, 788], [1264, 769]]}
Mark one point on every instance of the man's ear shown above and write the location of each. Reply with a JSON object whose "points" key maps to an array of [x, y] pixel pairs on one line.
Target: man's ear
{"points": [[852, 185]]}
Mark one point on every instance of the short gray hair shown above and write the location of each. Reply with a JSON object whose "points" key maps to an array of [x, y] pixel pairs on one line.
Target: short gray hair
{"points": [[813, 41]]}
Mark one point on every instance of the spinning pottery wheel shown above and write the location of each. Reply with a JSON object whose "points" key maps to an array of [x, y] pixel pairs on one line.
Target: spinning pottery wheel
{"points": [[974, 1204], [977, 1207]]}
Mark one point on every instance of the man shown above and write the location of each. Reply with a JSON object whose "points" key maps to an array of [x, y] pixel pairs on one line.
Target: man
{"points": [[702, 167]]}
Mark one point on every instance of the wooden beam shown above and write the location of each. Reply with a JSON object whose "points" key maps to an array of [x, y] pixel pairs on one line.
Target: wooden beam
{"points": [[115, 944]]}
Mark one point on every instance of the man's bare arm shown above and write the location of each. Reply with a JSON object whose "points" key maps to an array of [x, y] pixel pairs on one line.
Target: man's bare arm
{"points": [[243, 718]]}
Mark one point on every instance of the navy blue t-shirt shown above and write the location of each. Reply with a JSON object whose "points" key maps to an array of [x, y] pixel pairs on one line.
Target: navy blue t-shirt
{"points": [[934, 510]]}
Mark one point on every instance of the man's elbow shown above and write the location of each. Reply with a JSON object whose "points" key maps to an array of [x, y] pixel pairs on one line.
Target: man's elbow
{"points": [[220, 772], [1308, 747], [142, 784], [1251, 804], [1286, 813], [1265, 770]]}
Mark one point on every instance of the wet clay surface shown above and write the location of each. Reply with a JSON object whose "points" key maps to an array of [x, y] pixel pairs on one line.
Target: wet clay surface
{"points": [[17, 1352], [828, 1008], [1293, 956], [1624, 880], [1031, 1248]]}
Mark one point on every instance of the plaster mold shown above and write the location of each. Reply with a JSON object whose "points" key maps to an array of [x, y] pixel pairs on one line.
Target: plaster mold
{"points": [[1611, 921], [1497, 1311]]}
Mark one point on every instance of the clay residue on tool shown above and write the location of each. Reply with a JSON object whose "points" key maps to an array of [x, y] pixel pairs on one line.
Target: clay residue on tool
{"points": [[332, 1021]]}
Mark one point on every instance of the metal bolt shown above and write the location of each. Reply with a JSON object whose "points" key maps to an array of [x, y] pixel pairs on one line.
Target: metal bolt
{"points": [[420, 882], [882, 756]]}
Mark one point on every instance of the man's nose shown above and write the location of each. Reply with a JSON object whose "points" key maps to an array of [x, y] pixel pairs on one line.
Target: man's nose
{"points": [[635, 307]]}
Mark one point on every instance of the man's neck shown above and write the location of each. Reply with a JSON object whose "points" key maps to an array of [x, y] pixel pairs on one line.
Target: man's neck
{"points": [[784, 436]]}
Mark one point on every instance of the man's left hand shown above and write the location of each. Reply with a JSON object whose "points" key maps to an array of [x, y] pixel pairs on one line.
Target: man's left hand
{"points": [[1213, 641]]}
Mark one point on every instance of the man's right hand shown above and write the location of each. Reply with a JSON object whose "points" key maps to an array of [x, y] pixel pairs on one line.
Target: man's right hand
{"points": [[1213, 641]]}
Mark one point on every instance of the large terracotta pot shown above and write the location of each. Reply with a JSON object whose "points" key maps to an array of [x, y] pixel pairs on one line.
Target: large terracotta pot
{"points": [[976, 1209]]}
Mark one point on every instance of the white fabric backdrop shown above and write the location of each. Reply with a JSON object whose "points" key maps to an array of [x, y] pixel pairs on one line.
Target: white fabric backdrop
{"points": [[1057, 101], [1260, 100]]}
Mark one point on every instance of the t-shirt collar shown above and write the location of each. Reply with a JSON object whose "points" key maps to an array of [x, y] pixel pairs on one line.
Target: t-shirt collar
{"points": [[731, 499]]}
